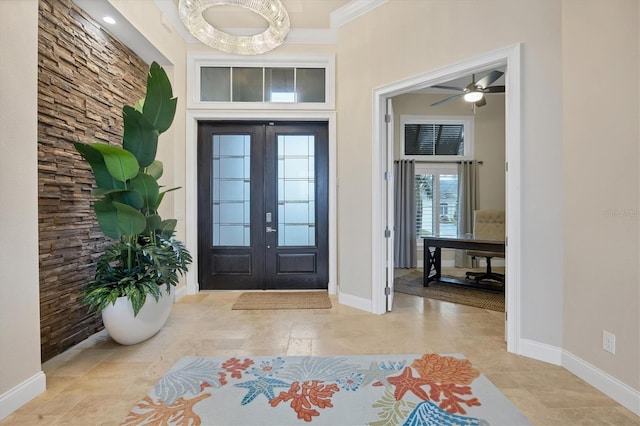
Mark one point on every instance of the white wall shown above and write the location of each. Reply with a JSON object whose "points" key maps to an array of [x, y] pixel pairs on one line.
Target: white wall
{"points": [[21, 378], [601, 152]]}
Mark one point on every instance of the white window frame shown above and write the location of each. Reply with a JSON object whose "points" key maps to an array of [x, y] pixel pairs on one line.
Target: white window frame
{"points": [[437, 168], [466, 120], [197, 60]]}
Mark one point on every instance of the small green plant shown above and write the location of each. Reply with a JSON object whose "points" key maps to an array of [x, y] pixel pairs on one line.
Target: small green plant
{"points": [[145, 254]]}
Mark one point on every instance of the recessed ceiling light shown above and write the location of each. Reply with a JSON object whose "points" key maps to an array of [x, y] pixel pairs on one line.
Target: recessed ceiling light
{"points": [[109, 20]]}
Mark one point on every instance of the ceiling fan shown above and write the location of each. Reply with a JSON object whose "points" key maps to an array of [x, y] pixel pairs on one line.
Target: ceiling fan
{"points": [[474, 92]]}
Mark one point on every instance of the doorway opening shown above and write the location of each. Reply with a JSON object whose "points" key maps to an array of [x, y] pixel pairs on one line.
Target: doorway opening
{"points": [[382, 187]]}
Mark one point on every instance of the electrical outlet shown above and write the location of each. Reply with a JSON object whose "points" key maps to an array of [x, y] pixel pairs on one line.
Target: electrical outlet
{"points": [[609, 342]]}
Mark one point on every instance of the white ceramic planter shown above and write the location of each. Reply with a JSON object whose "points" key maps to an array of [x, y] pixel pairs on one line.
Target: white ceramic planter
{"points": [[126, 329]]}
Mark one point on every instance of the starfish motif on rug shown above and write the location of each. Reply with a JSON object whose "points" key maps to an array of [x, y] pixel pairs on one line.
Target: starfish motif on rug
{"points": [[263, 385], [374, 374], [405, 382]]}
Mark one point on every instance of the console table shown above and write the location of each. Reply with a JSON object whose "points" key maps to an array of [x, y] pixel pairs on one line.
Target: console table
{"points": [[433, 260]]}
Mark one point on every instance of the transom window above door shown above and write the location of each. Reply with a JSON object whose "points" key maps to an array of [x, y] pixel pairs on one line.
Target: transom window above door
{"points": [[301, 82], [435, 138], [251, 84]]}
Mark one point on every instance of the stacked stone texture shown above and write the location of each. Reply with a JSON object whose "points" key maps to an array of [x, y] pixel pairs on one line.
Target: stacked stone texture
{"points": [[85, 77]]}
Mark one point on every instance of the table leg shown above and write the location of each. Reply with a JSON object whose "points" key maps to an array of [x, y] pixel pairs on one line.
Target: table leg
{"points": [[431, 262]]}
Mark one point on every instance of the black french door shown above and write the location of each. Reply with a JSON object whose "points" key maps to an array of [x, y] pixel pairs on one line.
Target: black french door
{"points": [[262, 205]]}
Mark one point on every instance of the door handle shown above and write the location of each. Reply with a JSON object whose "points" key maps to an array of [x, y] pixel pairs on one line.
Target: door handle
{"points": [[270, 229]]}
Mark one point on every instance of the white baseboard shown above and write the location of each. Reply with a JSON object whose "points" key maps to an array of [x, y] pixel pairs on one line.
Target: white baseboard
{"points": [[540, 351], [622, 393], [355, 302], [19, 395]]}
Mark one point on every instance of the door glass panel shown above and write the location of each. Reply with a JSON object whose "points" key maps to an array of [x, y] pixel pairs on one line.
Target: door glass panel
{"points": [[448, 205], [424, 203], [437, 205], [231, 184], [296, 190]]}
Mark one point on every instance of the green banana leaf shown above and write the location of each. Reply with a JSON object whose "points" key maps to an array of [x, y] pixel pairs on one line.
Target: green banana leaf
{"points": [[159, 104], [122, 164], [96, 161], [148, 188], [130, 220], [167, 228], [126, 196], [107, 218], [139, 105], [161, 197], [155, 169], [132, 198], [154, 222], [140, 137]]}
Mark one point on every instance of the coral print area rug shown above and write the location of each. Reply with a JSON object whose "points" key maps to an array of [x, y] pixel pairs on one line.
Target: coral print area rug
{"points": [[427, 389]]}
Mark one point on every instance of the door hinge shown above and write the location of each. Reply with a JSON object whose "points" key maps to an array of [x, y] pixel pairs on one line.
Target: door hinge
{"points": [[506, 241], [387, 291], [387, 233], [387, 118], [506, 166], [387, 175]]}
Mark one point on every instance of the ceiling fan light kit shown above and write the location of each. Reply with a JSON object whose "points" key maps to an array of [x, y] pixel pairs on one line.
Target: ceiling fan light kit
{"points": [[271, 10], [474, 92], [473, 96]]}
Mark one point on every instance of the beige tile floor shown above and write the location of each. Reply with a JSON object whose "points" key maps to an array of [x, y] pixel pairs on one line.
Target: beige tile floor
{"points": [[98, 381]]}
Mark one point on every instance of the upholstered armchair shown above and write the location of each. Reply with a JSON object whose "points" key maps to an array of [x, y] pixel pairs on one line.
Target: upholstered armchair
{"points": [[488, 225]]}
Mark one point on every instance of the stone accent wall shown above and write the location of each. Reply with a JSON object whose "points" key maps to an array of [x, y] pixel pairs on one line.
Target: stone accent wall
{"points": [[85, 77]]}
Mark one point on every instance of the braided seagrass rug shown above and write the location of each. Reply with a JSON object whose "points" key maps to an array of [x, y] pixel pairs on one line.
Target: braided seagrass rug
{"points": [[410, 282], [429, 389]]}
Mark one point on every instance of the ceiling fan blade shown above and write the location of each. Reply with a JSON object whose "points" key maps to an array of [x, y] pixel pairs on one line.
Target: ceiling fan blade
{"points": [[481, 102], [459, 89], [450, 98], [489, 78], [493, 89]]}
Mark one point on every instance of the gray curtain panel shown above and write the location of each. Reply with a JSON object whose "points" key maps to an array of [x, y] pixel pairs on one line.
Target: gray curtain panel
{"points": [[405, 252], [467, 204]]}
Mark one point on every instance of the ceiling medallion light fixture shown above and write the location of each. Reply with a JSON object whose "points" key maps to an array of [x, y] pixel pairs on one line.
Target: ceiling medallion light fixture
{"points": [[271, 10]]}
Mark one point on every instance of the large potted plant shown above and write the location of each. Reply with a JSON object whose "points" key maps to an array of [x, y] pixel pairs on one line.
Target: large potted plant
{"points": [[144, 258]]}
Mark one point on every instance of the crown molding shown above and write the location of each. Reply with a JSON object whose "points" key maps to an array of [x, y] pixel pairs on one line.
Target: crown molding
{"points": [[353, 10]]}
